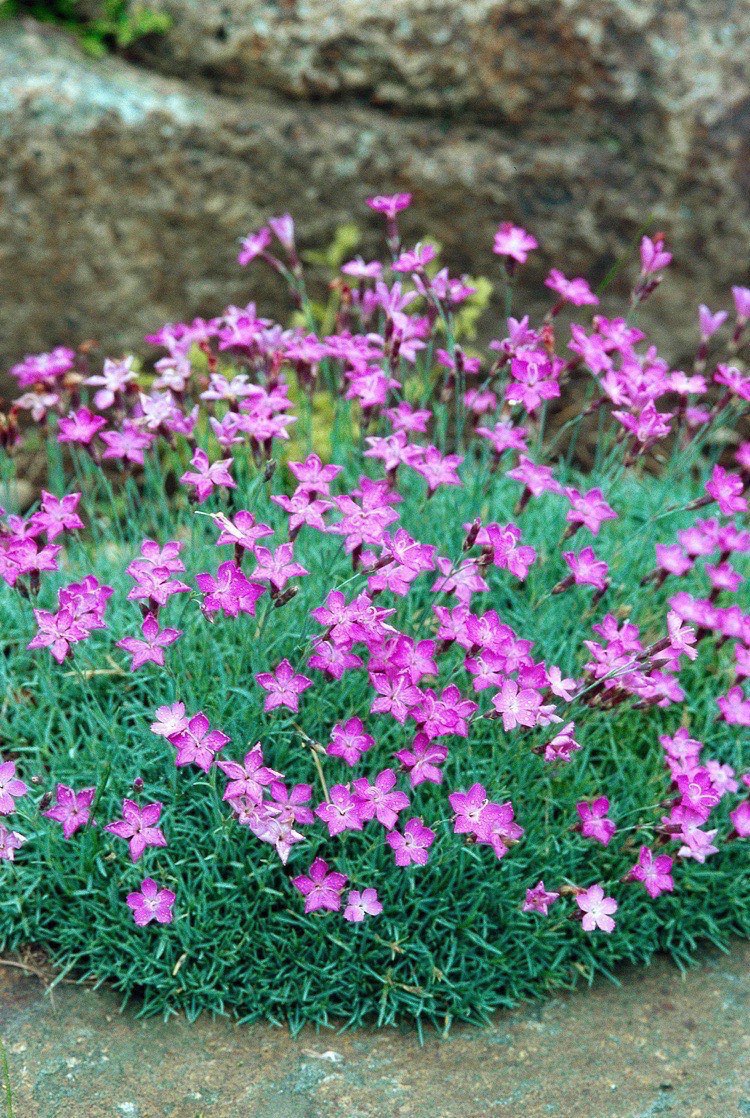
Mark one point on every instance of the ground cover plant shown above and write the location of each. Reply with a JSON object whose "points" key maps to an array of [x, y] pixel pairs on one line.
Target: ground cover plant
{"points": [[333, 689]]}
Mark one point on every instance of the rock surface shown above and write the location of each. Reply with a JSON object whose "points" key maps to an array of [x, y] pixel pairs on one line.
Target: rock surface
{"points": [[124, 193], [660, 1044]]}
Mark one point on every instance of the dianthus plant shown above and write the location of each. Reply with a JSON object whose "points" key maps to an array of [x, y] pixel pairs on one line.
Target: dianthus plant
{"points": [[350, 670]]}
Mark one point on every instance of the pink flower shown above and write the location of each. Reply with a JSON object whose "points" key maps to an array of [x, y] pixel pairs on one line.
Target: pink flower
{"points": [[422, 761], [726, 489], [278, 566], [654, 872], [139, 826], [362, 904], [341, 811], [740, 818], [380, 800], [594, 822], [514, 242], [574, 291], [589, 509], [320, 888], [284, 686], [389, 204], [228, 591], [587, 569], [539, 899], [709, 323], [518, 706], [438, 469], [58, 514], [169, 720], [249, 778], [73, 809], [151, 648], [11, 788], [254, 246], [562, 745], [80, 427], [151, 903], [10, 842], [654, 257], [507, 551], [597, 909], [349, 741], [128, 444], [197, 743], [741, 296], [205, 476], [411, 846], [242, 531], [734, 707]]}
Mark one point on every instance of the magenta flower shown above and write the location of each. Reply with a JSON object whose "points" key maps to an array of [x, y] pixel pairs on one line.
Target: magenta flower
{"points": [[228, 591], [128, 444], [597, 909], [198, 744], [253, 246], [562, 745], [653, 871], [709, 323], [151, 903], [206, 476], [727, 489], [539, 899], [740, 818], [278, 566], [284, 687], [438, 469], [514, 242], [242, 531], [312, 476], [11, 788], [10, 842], [58, 514], [411, 846], [518, 706], [389, 204], [654, 257], [589, 509], [139, 827], [249, 778], [362, 904], [151, 648], [734, 707], [80, 427], [169, 720], [507, 551], [380, 800], [341, 811], [73, 809], [422, 761], [574, 291], [349, 741], [594, 822], [320, 888], [587, 569]]}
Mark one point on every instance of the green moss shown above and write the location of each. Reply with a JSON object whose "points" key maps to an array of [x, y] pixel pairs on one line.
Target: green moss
{"points": [[118, 24]]}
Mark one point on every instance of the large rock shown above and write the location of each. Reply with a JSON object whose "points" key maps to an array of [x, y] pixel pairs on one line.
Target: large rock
{"points": [[124, 193]]}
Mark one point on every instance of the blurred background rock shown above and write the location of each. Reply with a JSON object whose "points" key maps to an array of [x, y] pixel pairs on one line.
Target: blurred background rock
{"points": [[128, 179]]}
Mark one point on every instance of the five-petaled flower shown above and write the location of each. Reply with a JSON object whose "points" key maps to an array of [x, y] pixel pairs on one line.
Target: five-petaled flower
{"points": [[151, 903]]}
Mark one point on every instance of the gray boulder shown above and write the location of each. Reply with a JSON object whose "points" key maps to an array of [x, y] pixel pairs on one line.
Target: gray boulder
{"points": [[124, 193]]}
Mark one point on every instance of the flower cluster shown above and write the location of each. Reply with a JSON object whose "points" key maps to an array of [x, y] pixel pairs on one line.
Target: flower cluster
{"points": [[388, 640]]}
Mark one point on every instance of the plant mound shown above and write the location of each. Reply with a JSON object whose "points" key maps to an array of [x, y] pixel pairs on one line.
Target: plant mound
{"points": [[336, 689]]}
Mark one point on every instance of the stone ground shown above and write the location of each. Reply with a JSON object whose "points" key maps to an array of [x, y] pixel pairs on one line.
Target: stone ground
{"points": [[659, 1044]]}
